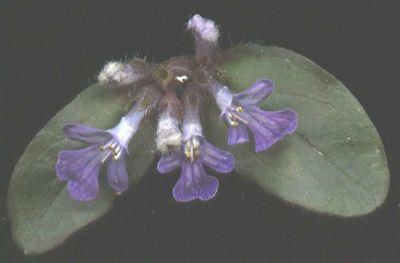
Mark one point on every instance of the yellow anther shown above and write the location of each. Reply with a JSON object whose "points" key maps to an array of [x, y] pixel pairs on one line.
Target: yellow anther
{"points": [[192, 148], [235, 117], [191, 153], [234, 123], [239, 109], [196, 144], [106, 146], [116, 149], [117, 155], [113, 145], [187, 154]]}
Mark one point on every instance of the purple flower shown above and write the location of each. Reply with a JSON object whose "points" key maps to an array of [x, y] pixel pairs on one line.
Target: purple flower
{"points": [[194, 182], [81, 167], [241, 113]]}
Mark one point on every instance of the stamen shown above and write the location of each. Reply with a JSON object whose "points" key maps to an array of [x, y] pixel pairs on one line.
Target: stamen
{"points": [[113, 145], [195, 143], [117, 155], [191, 154], [239, 109], [231, 119], [106, 157], [187, 150], [106, 146], [233, 123], [116, 150], [237, 117], [192, 149]]}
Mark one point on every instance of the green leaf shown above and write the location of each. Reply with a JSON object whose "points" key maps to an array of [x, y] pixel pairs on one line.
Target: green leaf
{"points": [[42, 213], [335, 162]]}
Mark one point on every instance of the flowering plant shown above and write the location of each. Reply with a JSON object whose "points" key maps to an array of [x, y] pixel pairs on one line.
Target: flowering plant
{"points": [[310, 143]]}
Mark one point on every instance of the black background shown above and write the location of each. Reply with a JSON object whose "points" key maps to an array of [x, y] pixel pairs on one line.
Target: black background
{"points": [[52, 50]]}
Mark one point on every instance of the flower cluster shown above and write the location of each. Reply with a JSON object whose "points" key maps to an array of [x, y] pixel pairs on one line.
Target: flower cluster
{"points": [[176, 92]]}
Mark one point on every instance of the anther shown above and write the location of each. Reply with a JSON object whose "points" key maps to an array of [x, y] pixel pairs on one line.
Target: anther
{"points": [[233, 123], [191, 154], [192, 147], [239, 109], [113, 146], [117, 155], [237, 117], [106, 146], [116, 150], [195, 143]]}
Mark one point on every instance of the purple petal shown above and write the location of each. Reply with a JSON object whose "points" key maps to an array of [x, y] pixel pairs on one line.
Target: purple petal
{"points": [[216, 159], [70, 162], [270, 127], [84, 133], [83, 192], [284, 121], [237, 135], [85, 186], [117, 174], [256, 93], [169, 162], [194, 183]]}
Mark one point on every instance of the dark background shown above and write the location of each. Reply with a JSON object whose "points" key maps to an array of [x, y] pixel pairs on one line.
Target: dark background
{"points": [[52, 50]]}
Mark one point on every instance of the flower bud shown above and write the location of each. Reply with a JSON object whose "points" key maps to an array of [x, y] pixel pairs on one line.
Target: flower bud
{"points": [[116, 74]]}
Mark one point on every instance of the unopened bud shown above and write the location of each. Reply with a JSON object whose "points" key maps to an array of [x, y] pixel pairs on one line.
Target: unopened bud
{"points": [[205, 28], [116, 74]]}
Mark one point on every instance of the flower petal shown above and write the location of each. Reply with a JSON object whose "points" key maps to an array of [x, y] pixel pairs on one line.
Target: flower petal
{"points": [[270, 127], [70, 162], [169, 162], [256, 93], [117, 174], [83, 192], [216, 159], [237, 135], [194, 183], [84, 133], [86, 186], [284, 121]]}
